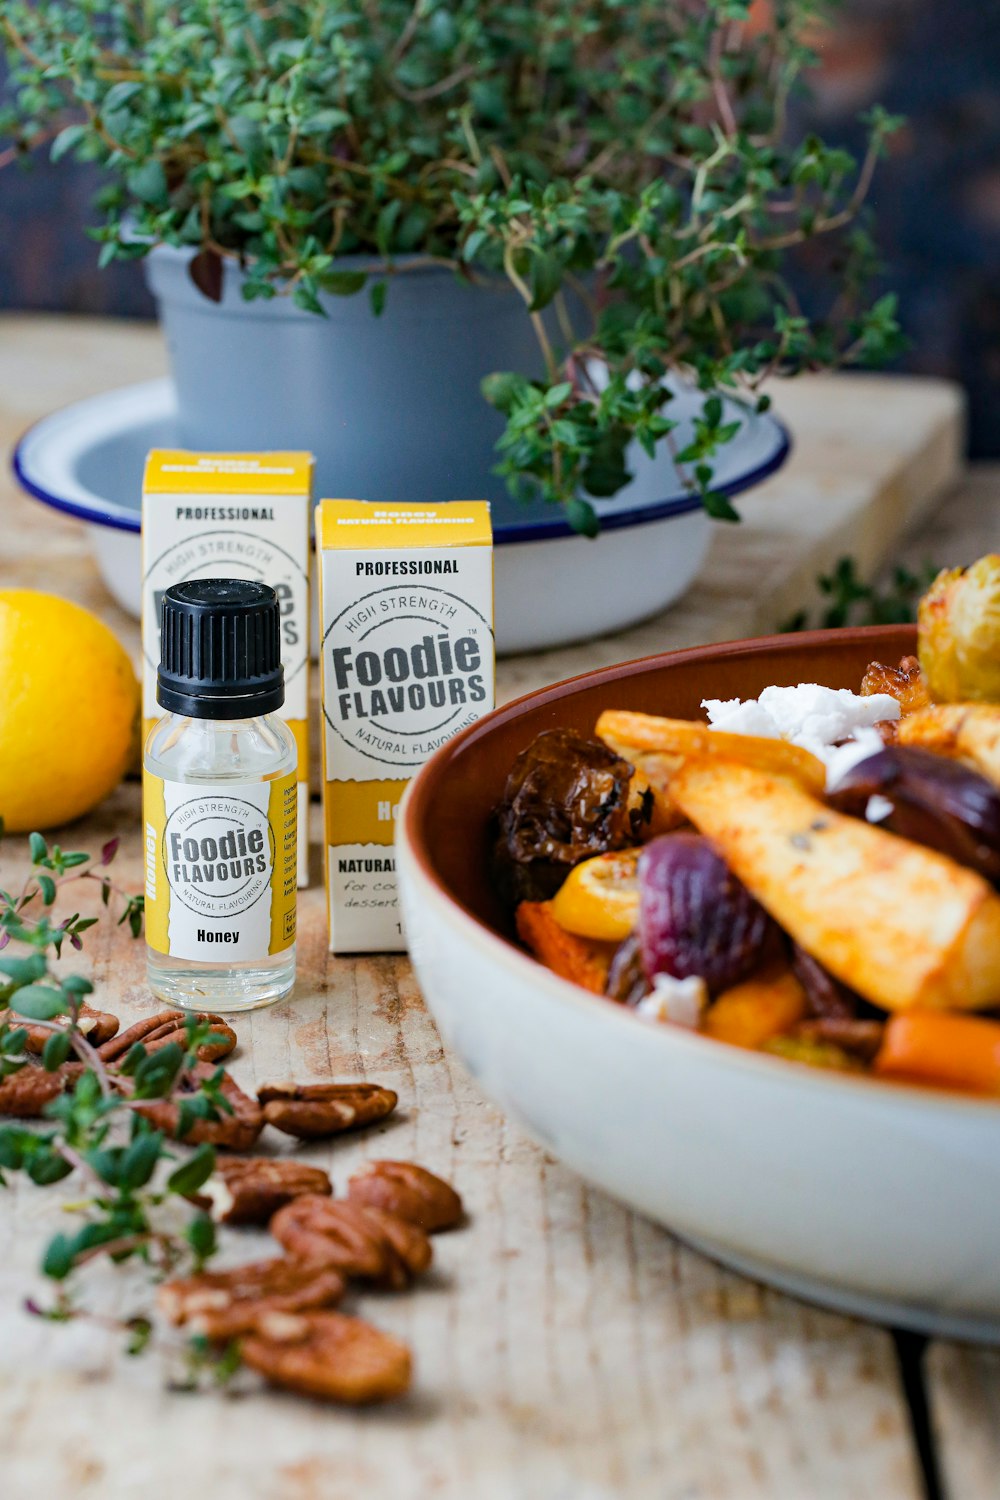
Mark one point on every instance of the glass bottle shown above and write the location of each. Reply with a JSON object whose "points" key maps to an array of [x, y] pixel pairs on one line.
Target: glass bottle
{"points": [[219, 803]]}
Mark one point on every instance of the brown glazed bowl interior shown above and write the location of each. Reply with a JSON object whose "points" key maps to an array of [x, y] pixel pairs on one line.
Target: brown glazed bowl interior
{"points": [[452, 797]]}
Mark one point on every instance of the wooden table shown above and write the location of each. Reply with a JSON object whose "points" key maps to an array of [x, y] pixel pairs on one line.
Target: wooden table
{"points": [[565, 1349]]}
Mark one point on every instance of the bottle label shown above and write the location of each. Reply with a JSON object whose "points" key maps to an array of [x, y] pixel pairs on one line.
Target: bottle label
{"points": [[220, 868]]}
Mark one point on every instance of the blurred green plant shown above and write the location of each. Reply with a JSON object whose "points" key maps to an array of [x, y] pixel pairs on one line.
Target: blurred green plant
{"points": [[854, 602], [625, 164]]}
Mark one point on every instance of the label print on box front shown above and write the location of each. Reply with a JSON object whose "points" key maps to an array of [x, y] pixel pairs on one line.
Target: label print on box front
{"points": [[407, 661], [220, 868], [233, 516]]}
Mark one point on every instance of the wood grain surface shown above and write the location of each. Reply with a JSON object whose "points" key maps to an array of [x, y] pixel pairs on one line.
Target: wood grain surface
{"points": [[565, 1349]]}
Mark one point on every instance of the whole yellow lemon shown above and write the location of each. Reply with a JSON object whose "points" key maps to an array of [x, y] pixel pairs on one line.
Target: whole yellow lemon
{"points": [[69, 710]]}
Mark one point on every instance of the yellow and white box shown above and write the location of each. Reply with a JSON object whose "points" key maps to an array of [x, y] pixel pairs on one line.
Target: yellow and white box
{"points": [[233, 515], [407, 659]]}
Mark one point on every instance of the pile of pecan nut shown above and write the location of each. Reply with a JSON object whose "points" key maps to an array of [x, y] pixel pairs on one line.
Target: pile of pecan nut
{"points": [[281, 1310]]}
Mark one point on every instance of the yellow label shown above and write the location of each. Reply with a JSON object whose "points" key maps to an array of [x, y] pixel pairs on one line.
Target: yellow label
{"points": [[220, 867], [176, 471], [359, 523]]}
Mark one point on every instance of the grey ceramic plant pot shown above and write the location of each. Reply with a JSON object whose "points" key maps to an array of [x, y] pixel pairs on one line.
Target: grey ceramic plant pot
{"points": [[390, 405]]}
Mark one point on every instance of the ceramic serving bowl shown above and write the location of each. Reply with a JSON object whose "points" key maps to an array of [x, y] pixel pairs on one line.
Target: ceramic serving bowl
{"points": [[875, 1198], [552, 586]]}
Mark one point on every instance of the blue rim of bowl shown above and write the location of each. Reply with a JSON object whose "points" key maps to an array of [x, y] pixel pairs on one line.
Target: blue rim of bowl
{"points": [[505, 534]]}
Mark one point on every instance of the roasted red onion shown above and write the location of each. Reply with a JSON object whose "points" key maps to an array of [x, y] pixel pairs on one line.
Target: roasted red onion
{"points": [[937, 802], [695, 917]]}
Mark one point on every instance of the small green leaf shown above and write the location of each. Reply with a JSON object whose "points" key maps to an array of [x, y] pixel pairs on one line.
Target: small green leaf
{"points": [[46, 1167], [342, 283], [557, 394], [377, 296], [193, 1173], [76, 984], [47, 886], [39, 1003], [545, 279], [56, 1050], [23, 970], [504, 389], [582, 516], [66, 140], [37, 847], [58, 1259], [139, 1160], [148, 182], [201, 1236]]}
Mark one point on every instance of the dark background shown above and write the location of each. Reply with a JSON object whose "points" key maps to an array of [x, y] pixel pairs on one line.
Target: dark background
{"points": [[936, 201]]}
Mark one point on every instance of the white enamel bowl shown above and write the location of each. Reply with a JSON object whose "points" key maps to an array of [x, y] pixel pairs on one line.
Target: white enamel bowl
{"points": [[551, 585], [874, 1198]]}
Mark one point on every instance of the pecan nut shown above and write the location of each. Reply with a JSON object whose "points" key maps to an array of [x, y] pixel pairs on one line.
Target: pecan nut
{"points": [[224, 1304], [408, 1191], [329, 1355], [357, 1242], [311, 1111], [97, 1026], [24, 1094], [165, 1027], [251, 1189], [237, 1131]]}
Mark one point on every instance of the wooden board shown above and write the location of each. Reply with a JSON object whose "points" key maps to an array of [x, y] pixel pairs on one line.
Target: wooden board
{"points": [[564, 1347]]}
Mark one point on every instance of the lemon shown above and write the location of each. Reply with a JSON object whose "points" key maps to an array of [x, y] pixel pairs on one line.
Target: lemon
{"points": [[69, 710], [600, 897]]}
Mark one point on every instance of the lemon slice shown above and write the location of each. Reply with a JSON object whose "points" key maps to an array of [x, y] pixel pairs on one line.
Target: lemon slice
{"points": [[600, 897]]}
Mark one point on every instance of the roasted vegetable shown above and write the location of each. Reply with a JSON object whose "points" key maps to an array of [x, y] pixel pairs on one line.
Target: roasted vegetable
{"points": [[600, 897], [904, 925], [766, 1005], [566, 799], [825, 996], [905, 683], [959, 1052], [571, 957], [680, 738], [935, 801], [627, 981], [968, 731], [958, 626], [695, 918]]}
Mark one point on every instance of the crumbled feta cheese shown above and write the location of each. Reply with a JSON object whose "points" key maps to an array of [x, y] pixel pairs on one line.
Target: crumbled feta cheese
{"points": [[680, 1001], [878, 808], [817, 718]]}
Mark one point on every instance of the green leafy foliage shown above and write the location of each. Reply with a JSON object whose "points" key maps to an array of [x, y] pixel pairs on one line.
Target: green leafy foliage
{"points": [[93, 1129], [853, 602], [625, 165]]}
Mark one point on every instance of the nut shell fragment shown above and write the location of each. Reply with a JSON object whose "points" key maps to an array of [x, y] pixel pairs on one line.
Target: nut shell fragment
{"points": [[315, 1110], [251, 1189], [166, 1027], [331, 1356], [224, 1304], [235, 1132], [409, 1191], [371, 1246]]}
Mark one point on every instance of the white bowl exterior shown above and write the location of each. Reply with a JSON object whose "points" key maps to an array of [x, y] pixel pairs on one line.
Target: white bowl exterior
{"points": [[547, 593], [886, 1192]]}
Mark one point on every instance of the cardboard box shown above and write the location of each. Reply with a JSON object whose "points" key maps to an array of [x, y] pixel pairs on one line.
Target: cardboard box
{"points": [[233, 515], [407, 659]]}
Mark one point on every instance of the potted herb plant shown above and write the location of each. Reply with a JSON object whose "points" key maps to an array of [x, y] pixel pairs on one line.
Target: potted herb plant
{"points": [[404, 232]]}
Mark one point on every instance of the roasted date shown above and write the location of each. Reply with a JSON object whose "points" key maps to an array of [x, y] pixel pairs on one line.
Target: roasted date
{"points": [[566, 799]]}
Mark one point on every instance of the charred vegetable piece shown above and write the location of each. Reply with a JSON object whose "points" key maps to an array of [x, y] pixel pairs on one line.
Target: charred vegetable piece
{"points": [[566, 799], [627, 980], [935, 801], [958, 627], [695, 917], [905, 683], [825, 996]]}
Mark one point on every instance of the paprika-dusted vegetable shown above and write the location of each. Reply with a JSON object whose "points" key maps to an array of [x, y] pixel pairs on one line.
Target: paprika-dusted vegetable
{"points": [[949, 1051]]}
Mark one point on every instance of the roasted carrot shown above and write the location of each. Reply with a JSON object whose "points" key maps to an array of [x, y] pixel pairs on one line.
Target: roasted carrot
{"points": [[927, 1046], [765, 1005], [580, 959]]}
